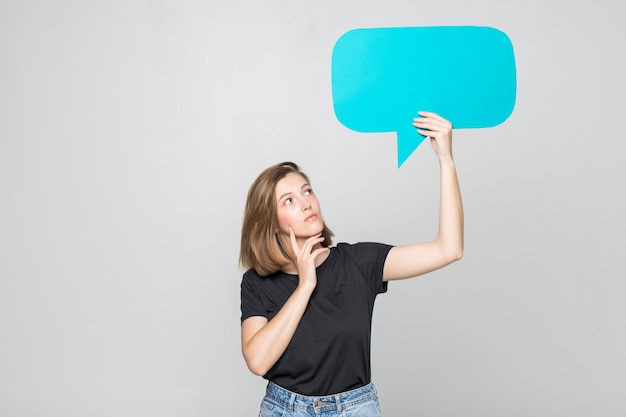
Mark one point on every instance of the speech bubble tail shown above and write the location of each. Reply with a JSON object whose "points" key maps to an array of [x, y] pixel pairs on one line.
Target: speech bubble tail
{"points": [[407, 143]]}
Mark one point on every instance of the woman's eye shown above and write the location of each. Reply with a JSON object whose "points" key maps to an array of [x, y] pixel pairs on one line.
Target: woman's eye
{"points": [[288, 201], [308, 192]]}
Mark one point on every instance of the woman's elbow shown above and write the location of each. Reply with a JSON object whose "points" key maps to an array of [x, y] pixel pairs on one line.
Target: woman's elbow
{"points": [[256, 366], [454, 254], [256, 370]]}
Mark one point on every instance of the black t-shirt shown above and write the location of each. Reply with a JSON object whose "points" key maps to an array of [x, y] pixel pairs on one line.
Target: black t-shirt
{"points": [[330, 349]]}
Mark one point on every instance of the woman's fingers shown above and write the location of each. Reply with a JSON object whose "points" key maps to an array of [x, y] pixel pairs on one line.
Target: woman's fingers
{"points": [[431, 124], [438, 129], [294, 242], [308, 246], [310, 243], [434, 118]]}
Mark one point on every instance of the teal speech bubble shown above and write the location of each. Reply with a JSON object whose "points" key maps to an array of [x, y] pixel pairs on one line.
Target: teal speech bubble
{"points": [[382, 77]]}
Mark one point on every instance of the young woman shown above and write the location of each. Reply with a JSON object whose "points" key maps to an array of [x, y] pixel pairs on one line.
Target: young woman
{"points": [[307, 307]]}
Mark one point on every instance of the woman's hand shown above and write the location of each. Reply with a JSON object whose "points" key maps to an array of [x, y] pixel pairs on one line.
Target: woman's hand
{"points": [[438, 129], [306, 256]]}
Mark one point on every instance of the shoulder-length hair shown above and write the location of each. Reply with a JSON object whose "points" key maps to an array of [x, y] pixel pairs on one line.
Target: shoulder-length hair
{"points": [[262, 247]]}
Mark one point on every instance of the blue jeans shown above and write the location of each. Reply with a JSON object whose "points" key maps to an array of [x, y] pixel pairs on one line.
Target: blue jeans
{"points": [[360, 402]]}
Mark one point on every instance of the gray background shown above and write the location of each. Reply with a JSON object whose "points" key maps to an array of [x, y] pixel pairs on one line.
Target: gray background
{"points": [[131, 131]]}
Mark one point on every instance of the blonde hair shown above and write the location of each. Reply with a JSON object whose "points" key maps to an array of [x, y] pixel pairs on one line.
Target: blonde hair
{"points": [[261, 246]]}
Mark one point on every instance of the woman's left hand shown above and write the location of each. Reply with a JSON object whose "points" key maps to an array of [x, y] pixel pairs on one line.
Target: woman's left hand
{"points": [[438, 129]]}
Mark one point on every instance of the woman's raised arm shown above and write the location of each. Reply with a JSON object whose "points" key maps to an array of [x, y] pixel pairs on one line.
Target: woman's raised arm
{"points": [[419, 258]]}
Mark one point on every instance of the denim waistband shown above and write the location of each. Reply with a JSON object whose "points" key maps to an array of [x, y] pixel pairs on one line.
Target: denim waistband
{"points": [[334, 402]]}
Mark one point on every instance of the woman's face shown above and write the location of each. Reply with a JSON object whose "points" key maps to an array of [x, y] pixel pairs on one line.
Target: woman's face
{"points": [[297, 207]]}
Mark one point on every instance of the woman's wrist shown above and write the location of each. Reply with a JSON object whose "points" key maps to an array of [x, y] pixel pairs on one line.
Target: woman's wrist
{"points": [[306, 287], [446, 160]]}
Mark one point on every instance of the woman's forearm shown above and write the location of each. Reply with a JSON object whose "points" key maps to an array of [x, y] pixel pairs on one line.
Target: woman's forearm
{"points": [[450, 233], [263, 345]]}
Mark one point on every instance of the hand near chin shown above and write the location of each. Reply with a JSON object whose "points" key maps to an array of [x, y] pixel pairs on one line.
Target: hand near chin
{"points": [[306, 256]]}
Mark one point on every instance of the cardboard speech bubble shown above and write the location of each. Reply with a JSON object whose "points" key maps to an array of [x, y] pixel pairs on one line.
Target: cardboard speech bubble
{"points": [[382, 77]]}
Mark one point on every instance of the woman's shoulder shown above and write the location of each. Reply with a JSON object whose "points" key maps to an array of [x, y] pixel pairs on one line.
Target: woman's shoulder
{"points": [[345, 246], [362, 249]]}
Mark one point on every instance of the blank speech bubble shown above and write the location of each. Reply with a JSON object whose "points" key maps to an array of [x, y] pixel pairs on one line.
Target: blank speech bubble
{"points": [[382, 77]]}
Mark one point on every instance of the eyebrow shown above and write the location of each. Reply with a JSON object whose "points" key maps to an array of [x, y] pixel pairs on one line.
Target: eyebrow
{"points": [[306, 184]]}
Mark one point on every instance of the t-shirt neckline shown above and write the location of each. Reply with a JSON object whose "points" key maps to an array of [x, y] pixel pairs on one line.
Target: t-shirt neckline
{"points": [[320, 266]]}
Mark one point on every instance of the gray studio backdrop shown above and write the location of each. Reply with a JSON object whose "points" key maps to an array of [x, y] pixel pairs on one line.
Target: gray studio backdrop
{"points": [[131, 130]]}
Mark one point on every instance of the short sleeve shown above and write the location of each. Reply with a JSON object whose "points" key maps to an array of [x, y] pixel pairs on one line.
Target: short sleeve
{"points": [[370, 260], [251, 300]]}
